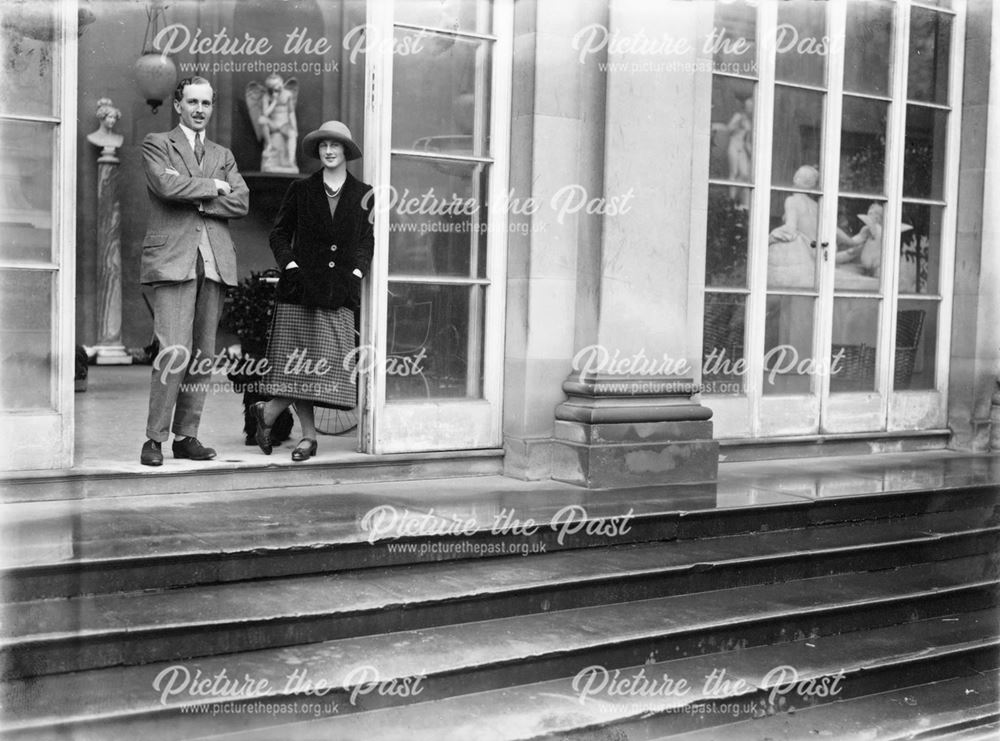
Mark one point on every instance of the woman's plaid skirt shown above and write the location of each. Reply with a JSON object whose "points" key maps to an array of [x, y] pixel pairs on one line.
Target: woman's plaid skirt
{"points": [[309, 353]]}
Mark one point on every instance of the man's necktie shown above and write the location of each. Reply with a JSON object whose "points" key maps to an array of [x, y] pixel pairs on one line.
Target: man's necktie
{"points": [[199, 149]]}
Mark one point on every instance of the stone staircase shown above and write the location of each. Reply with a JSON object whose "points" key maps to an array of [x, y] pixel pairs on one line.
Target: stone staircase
{"points": [[783, 619]]}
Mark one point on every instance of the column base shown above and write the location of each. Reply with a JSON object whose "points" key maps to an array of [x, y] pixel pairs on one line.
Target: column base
{"points": [[112, 355], [632, 432]]}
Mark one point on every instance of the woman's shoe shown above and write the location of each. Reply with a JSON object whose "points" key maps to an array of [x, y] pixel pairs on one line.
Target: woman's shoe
{"points": [[304, 452], [263, 433]]}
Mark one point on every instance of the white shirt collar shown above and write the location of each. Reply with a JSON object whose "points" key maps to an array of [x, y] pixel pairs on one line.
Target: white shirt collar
{"points": [[191, 133]]}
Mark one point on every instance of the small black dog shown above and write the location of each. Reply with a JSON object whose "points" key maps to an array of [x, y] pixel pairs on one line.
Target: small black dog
{"points": [[281, 430]]}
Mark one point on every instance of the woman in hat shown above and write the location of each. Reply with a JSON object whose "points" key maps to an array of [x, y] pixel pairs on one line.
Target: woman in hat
{"points": [[323, 241]]}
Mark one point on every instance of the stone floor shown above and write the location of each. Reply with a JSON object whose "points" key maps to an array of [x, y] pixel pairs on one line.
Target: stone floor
{"points": [[111, 422]]}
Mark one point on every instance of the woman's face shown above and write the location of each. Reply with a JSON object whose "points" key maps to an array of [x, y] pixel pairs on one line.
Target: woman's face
{"points": [[331, 153]]}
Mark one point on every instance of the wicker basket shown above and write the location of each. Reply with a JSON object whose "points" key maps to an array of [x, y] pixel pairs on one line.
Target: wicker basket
{"points": [[855, 370]]}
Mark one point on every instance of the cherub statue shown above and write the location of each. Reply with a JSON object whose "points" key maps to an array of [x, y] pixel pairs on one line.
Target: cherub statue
{"points": [[272, 110]]}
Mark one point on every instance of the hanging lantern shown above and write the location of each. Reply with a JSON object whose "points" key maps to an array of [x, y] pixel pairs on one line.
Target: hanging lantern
{"points": [[155, 72]]}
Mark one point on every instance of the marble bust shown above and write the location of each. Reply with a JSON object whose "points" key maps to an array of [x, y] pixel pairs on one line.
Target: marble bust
{"points": [[105, 136]]}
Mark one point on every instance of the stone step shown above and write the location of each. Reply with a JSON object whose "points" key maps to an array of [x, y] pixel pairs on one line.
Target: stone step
{"points": [[69, 549], [436, 664], [762, 680], [959, 709], [227, 476], [61, 635]]}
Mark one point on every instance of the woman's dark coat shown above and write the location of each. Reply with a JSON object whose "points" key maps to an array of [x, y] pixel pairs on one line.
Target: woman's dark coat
{"points": [[327, 250]]}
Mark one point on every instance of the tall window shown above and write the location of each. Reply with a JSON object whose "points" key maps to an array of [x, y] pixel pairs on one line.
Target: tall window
{"points": [[731, 195]]}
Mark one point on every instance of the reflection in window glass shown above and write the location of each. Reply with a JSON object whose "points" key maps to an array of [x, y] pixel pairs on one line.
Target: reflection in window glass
{"points": [[868, 47], [916, 343], [434, 341], [862, 145], [25, 339], [29, 64], [472, 16], [855, 341], [735, 38], [920, 250], [798, 132], [26, 166], [801, 42], [860, 244], [732, 130], [437, 223], [924, 160], [791, 244], [440, 94], [930, 48], [788, 341], [723, 361], [727, 244]]}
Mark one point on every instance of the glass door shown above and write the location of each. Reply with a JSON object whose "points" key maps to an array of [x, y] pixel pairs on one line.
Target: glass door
{"points": [[828, 128], [37, 224], [439, 107]]}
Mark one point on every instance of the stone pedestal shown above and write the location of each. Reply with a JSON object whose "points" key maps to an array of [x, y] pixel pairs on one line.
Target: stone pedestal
{"points": [[616, 431], [110, 350]]}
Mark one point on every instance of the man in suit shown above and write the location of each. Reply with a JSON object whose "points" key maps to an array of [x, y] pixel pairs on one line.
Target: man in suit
{"points": [[188, 258]]}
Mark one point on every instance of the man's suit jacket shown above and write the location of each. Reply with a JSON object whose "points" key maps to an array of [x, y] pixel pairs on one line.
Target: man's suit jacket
{"points": [[184, 202]]}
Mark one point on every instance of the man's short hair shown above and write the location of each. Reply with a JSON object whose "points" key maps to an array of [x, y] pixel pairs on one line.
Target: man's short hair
{"points": [[179, 90]]}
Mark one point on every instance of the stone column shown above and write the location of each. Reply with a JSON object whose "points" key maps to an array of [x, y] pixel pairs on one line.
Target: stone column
{"points": [[631, 418], [110, 349]]}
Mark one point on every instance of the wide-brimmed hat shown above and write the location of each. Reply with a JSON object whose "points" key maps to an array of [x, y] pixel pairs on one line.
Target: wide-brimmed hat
{"points": [[335, 131]]}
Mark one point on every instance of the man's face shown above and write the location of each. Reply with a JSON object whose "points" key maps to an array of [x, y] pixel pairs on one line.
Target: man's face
{"points": [[195, 106]]}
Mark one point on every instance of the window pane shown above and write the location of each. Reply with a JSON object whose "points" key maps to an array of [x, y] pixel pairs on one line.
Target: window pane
{"points": [[727, 237], [862, 145], [434, 342], [916, 343], [800, 42], [791, 249], [440, 94], [451, 15], [930, 47], [30, 57], [26, 162], [855, 340], [25, 339], [926, 142], [723, 360], [798, 132], [437, 217], [734, 38], [788, 333], [732, 130], [860, 244], [868, 47], [920, 249]]}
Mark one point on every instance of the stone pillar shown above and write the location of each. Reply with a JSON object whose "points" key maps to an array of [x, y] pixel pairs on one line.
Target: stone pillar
{"points": [[975, 332], [631, 418], [556, 146], [110, 349]]}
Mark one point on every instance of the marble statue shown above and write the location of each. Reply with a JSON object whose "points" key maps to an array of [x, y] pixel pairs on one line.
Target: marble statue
{"points": [[272, 110]]}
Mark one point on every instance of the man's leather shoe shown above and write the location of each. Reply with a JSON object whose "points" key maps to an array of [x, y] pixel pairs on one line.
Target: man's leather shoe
{"points": [[151, 454], [189, 447], [263, 433]]}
